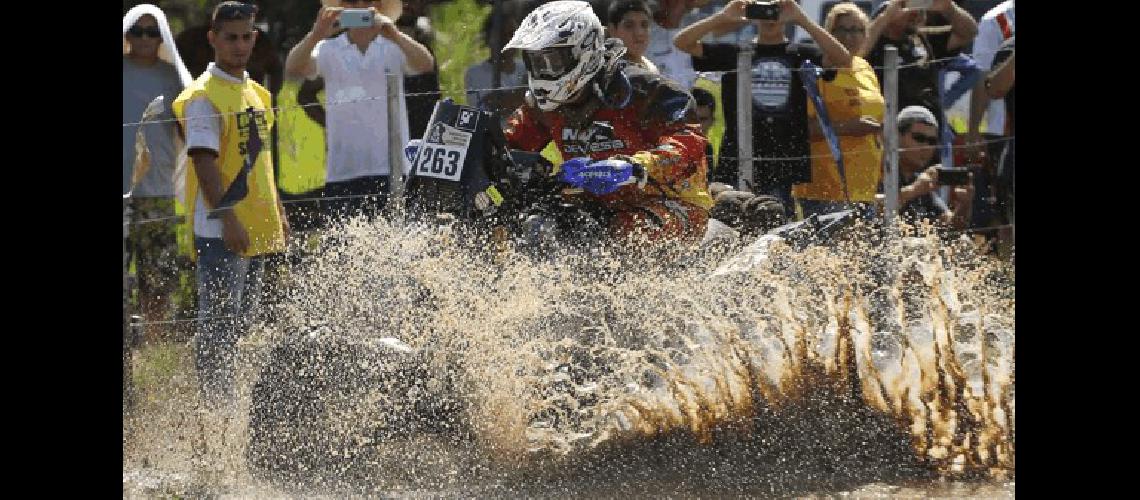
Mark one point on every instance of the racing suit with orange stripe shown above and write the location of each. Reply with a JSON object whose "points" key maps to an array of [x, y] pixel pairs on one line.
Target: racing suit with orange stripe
{"points": [[657, 130]]}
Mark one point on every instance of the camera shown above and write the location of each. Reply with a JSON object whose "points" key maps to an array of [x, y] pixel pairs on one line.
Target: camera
{"points": [[957, 176], [762, 11], [355, 18], [919, 4]]}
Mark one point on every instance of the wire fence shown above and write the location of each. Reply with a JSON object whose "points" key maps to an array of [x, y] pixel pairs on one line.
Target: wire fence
{"points": [[341, 102]]}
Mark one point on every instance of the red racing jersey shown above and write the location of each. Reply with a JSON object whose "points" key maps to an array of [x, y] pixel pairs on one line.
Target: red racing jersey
{"points": [[657, 130]]}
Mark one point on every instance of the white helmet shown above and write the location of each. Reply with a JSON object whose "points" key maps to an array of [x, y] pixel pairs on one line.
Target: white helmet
{"points": [[563, 46]]}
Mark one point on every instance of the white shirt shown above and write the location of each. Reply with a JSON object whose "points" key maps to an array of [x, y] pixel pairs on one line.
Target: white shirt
{"points": [[356, 115], [985, 46], [204, 130], [670, 60]]}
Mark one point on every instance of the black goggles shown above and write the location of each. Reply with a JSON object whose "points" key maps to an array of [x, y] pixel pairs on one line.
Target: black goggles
{"points": [[550, 63]]}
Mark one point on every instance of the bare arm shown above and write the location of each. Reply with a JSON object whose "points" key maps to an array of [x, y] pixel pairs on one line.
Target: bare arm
{"points": [[730, 18], [420, 59], [963, 27], [210, 183], [1000, 80], [878, 25], [833, 51], [300, 62]]}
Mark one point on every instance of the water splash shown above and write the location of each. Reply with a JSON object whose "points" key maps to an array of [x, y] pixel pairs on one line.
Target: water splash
{"points": [[893, 355]]}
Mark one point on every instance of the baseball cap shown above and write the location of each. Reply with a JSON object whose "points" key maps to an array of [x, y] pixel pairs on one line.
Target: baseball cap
{"points": [[919, 114]]}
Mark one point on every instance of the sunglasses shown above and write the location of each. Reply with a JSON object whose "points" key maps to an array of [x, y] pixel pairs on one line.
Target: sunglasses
{"points": [[925, 139], [140, 32], [232, 11]]}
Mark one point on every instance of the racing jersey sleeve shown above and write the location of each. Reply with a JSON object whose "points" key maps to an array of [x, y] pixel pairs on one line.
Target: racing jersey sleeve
{"points": [[525, 131], [677, 162]]}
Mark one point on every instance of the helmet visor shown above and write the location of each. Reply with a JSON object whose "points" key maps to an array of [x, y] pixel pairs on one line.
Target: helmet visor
{"points": [[550, 63]]}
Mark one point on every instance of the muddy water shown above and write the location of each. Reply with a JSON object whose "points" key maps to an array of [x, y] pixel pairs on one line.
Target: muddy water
{"points": [[873, 368]]}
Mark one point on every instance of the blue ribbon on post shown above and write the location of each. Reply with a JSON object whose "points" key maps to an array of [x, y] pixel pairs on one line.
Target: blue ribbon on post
{"points": [[808, 75], [239, 188], [968, 74]]}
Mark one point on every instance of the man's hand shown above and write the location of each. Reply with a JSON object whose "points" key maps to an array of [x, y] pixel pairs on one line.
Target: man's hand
{"points": [[383, 25], [733, 14], [326, 23], [943, 6], [895, 9], [285, 229], [926, 182], [791, 12], [961, 204], [234, 234]]}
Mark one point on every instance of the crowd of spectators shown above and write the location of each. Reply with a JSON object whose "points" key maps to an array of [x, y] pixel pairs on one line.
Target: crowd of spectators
{"points": [[696, 43]]}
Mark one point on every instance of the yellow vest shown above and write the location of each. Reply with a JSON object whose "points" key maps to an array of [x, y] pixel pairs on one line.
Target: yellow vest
{"points": [[300, 143], [853, 93], [258, 210]]}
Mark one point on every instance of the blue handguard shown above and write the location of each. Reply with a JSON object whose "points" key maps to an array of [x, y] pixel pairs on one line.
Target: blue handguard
{"points": [[598, 177]]}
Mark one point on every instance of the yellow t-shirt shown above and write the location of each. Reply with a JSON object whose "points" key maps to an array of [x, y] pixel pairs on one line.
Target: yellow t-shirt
{"points": [[854, 93], [258, 210]]}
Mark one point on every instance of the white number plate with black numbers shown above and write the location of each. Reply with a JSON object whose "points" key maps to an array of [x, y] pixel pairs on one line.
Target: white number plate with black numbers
{"points": [[443, 153], [441, 161]]}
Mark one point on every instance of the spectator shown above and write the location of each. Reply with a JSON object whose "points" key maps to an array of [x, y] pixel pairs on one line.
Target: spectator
{"points": [[706, 115], [264, 65], [918, 199], [422, 89], [229, 240], [996, 26], [855, 106], [354, 66], [151, 68], [895, 24], [670, 61], [629, 21], [512, 71], [999, 85], [779, 101]]}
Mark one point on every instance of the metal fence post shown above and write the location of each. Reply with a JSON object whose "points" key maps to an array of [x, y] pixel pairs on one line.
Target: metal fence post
{"points": [[744, 115], [395, 148], [128, 342], [891, 134]]}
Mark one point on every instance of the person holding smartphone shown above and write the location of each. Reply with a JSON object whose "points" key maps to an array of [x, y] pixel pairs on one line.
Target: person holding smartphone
{"points": [[918, 197], [781, 141], [900, 23], [354, 65]]}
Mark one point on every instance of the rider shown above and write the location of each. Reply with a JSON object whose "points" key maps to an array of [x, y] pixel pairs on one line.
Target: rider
{"points": [[611, 120]]}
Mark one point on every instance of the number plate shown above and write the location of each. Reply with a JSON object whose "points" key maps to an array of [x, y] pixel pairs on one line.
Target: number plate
{"points": [[443, 153]]}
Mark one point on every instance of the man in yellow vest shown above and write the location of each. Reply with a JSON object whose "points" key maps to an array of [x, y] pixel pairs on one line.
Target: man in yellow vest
{"points": [[236, 215]]}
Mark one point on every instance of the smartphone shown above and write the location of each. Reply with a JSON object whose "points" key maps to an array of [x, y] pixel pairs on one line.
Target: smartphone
{"points": [[355, 18], [957, 176], [762, 11], [919, 4]]}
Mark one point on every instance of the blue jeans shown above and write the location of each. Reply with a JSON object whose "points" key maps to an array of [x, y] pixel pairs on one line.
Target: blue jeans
{"points": [[229, 288]]}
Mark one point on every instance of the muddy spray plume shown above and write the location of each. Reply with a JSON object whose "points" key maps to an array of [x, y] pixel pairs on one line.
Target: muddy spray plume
{"points": [[419, 357]]}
